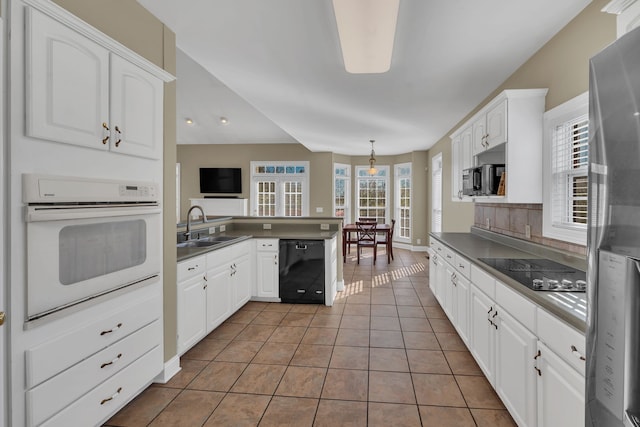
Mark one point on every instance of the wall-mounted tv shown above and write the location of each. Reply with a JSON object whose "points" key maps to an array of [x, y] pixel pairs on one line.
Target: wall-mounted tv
{"points": [[220, 180]]}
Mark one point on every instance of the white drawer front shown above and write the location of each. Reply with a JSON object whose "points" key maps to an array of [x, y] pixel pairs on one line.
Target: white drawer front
{"points": [[51, 396], [240, 249], [52, 357], [448, 255], [191, 267], [103, 401], [267, 245], [484, 281], [462, 265], [219, 257], [565, 341], [517, 306]]}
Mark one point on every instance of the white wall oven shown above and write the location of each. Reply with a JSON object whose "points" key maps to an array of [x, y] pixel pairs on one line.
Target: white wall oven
{"points": [[88, 237]]}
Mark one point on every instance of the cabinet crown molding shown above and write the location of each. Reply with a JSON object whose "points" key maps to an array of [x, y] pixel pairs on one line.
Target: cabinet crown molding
{"points": [[616, 7]]}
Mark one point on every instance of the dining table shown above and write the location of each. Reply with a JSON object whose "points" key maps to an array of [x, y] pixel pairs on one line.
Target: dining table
{"points": [[353, 228]]}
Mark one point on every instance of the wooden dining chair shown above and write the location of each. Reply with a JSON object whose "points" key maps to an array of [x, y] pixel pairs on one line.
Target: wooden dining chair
{"points": [[367, 238], [386, 239]]}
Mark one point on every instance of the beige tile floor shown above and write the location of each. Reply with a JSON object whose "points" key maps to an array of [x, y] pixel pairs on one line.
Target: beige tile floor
{"points": [[383, 355]]}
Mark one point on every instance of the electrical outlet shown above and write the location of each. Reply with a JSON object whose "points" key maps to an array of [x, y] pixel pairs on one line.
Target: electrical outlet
{"points": [[319, 209], [266, 226], [488, 222], [223, 228], [212, 230], [324, 226], [419, 241], [527, 231]]}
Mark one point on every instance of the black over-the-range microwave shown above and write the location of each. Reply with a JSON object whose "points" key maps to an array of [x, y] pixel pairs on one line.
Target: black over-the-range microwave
{"points": [[482, 180]]}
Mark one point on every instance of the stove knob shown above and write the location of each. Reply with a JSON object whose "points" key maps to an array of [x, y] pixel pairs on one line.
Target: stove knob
{"points": [[566, 284], [581, 285], [538, 283], [553, 284]]}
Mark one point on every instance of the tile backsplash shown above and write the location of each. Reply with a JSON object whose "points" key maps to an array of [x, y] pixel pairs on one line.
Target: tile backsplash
{"points": [[512, 219]]}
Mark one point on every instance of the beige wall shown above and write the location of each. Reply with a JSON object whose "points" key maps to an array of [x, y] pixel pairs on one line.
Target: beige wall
{"points": [[194, 156], [562, 65], [130, 24]]}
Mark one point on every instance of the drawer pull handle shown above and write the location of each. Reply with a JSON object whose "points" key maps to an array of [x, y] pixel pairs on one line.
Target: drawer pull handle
{"points": [[104, 365], [118, 326], [113, 396], [192, 268], [460, 265], [576, 353]]}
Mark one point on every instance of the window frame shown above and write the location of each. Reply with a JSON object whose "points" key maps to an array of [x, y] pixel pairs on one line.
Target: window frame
{"points": [[347, 191], [398, 178], [280, 179], [359, 178], [551, 228]]}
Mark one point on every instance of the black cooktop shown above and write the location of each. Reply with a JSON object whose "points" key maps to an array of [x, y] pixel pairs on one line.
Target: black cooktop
{"points": [[540, 274]]}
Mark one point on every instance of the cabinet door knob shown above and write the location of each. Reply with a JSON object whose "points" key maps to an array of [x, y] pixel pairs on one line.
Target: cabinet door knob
{"points": [[105, 133], [119, 140]]}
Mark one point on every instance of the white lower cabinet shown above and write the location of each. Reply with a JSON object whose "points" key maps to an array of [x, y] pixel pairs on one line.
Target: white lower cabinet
{"points": [[267, 268], [561, 391], [534, 361], [481, 331], [515, 380], [211, 288]]}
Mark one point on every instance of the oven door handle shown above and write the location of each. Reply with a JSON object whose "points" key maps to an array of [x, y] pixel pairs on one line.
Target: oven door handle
{"points": [[41, 213]]}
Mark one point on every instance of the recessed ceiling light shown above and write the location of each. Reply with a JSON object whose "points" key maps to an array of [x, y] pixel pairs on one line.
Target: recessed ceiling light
{"points": [[224, 120], [366, 29], [189, 121]]}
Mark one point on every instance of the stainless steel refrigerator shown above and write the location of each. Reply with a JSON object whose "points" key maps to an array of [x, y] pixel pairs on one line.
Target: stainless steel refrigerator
{"points": [[613, 289]]}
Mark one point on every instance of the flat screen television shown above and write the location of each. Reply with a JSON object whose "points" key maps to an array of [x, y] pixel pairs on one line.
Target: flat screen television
{"points": [[220, 180]]}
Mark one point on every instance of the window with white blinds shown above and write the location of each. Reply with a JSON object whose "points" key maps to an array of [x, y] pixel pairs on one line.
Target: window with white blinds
{"points": [[566, 171], [436, 193]]}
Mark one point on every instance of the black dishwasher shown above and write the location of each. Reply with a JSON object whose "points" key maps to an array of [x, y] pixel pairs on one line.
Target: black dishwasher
{"points": [[301, 271]]}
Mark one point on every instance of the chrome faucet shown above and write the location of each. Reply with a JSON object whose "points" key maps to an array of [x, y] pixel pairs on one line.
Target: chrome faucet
{"points": [[187, 233]]}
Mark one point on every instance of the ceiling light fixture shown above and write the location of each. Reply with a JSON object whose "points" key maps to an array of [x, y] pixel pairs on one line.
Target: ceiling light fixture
{"points": [[372, 160], [224, 120], [366, 29], [189, 121]]}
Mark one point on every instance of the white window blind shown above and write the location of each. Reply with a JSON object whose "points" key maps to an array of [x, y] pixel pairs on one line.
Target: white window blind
{"points": [[569, 172], [436, 194]]}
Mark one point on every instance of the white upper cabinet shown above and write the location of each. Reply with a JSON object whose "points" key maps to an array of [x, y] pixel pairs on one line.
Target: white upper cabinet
{"points": [[67, 84], [80, 92], [136, 110], [507, 131], [461, 159]]}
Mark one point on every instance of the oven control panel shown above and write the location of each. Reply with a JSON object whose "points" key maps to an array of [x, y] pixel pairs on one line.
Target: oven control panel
{"points": [[138, 191]]}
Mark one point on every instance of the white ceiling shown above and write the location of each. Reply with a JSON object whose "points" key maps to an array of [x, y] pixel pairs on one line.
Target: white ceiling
{"points": [[283, 59]]}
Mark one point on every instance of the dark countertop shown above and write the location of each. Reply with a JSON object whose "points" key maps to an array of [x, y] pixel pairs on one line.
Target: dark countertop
{"points": [[571, 307], [245, 234]]}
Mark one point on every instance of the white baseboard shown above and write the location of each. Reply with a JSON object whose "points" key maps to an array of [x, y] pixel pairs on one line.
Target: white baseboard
{"points": [[265, 299], [171, 368], [410, 247]]}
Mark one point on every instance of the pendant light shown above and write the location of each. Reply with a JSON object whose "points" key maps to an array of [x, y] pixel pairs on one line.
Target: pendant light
{"points": [[372, 160]]}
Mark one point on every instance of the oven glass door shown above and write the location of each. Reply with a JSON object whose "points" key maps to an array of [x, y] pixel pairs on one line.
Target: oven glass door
{"points": [[74, 259]]}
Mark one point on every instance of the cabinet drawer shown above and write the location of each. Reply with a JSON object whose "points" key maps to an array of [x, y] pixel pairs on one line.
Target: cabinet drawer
{"points": [[565, 341], [437, 246], [484, 281], [103, 401], [448, 255], [267, 245], [52, 357], [241, 249], [51, 396], [517, 306], [463, 266], [191, 267]]}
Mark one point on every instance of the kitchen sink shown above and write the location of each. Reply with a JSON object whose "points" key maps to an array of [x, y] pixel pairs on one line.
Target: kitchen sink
{"points": [[197, 243], [217, 239]]}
